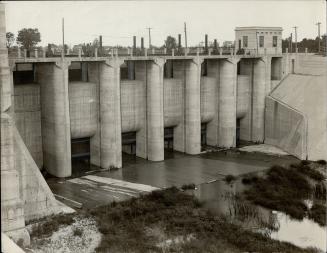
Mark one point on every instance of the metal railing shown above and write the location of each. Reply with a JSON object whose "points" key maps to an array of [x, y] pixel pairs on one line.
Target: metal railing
{"points": [[135, 52]]}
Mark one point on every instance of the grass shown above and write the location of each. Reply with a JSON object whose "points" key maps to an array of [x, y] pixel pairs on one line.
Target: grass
{"points": [[318, 214], [285, 189], [172, 213], [51, 224]]}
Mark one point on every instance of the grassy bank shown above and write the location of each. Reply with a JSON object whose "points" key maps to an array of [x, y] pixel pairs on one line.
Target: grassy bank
{"points": [[286, 189], [171, 221]]}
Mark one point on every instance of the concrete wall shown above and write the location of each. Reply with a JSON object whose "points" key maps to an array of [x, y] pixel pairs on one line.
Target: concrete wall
{"points": [[131, 105], [28, 119], [285, 128], [173, 107], [243, 96], [208, 98], [83, 106]]}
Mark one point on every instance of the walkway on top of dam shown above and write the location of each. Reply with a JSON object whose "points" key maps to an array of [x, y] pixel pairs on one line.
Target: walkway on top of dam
{"points": [[91, 187], [41, 56]]}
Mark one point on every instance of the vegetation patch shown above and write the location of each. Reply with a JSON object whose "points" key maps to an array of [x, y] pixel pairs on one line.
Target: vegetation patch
{"points": [[188, 187], [51, 224], [172, 221], [229, 178], [286, 189]]}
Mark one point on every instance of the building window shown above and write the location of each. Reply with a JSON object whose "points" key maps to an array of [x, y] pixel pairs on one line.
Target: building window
{"points": [[274, 41], [261, 41], [245, 41]]}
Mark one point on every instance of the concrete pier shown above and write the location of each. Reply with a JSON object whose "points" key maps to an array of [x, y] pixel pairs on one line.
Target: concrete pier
{"points": [[110, 118], [155, 117], [258, 100], [192, 106], [212, 126], [179, 130], [53, 80], [227, 104]]}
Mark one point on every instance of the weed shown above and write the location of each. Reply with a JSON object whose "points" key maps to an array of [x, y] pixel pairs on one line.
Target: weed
{"points": [[51, 224], [77, 232], [230, 178], [318, 214], [322, 162], [188, 187]]}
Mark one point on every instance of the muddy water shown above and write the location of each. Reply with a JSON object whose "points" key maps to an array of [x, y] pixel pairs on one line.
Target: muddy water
{"points": [[219, 197]]}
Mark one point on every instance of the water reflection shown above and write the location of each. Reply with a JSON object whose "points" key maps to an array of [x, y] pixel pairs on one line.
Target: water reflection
{"points": [[222, 198]]}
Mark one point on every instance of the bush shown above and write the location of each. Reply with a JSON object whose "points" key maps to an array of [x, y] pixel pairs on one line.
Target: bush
{"points": [[322, 162], [229, 178], [77, 232], [188, 187]]}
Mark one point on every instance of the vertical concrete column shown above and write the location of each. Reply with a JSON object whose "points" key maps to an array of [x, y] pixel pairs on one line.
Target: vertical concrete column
{"points": [[212, 126], [155, 116], [227, 103], [53, 80], [246, 68], [110, 116], [141, 135], [258, 100], [268, 75], [192, 106], [95, 141], [179, 131]]}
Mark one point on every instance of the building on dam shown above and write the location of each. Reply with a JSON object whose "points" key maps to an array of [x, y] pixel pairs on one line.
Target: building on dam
{"points": [[54, 109]]}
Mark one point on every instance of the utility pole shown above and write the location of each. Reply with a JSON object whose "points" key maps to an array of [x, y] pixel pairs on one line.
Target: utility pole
{"points": [[291, 47], [318, 24], [149, 28], [63, 39], [295, 32], [185, 34]]}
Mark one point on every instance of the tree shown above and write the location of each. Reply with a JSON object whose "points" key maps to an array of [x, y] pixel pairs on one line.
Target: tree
{"points": [[10, 39], [28, 38], [170, 42]]}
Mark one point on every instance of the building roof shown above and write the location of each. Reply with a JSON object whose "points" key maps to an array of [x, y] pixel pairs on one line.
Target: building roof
{"points": [[243, 28]]}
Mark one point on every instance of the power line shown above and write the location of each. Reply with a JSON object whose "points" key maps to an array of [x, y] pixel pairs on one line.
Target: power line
{"points": [[149, 28]]}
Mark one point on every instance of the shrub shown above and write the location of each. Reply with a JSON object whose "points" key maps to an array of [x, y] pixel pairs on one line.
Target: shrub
{"points": [[229, 178], [188, 187]]}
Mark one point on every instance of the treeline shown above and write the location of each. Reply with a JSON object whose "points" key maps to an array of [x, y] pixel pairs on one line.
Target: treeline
{"points": [[311, 44]]}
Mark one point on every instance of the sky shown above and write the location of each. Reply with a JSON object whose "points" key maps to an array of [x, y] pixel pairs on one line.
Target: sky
{"points": [[118, 21]]}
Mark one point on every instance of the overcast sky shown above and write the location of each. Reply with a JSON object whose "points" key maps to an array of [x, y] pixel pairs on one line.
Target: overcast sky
{"points": [[118, 21]]}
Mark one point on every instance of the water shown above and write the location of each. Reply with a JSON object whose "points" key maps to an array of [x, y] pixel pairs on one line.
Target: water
{"points": [[221, 198]]}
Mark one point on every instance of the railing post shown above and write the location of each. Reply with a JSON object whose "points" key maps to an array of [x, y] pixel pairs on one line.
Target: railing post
{"points": [[286, 50], [116, 52], [173, 52], [296, 50], [185, 51], [43, 53], [306, 51], [197, 51], [25, 53], [19, 53], [153, 51], [165, 50], [209, 51], [231, 51], [265, 51], [35, 53], [145, 52], [220, 51], [80, 53], [131, 52], [96, 52]]}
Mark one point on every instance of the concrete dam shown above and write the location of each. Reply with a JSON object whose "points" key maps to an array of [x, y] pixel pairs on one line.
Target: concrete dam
{"points": [[56, 109], [90, 104]]}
